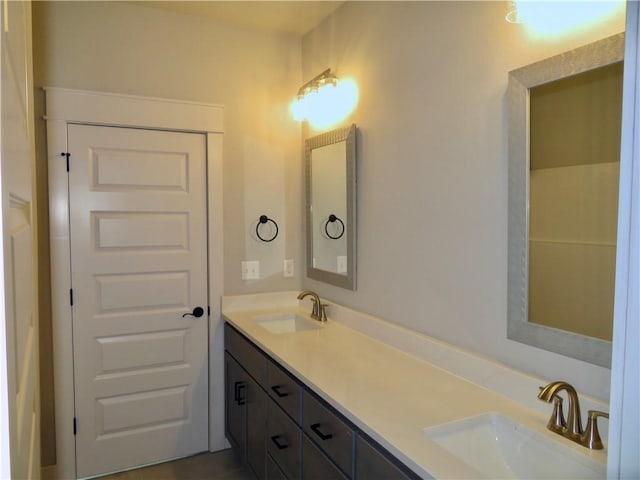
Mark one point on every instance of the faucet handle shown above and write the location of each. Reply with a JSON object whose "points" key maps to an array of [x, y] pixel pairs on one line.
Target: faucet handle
{"points": [[591, 436], [315, 309], [557, 422], [322, 312]]}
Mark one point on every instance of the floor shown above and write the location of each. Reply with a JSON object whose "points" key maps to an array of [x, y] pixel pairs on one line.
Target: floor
{"points": [[210, 466]]}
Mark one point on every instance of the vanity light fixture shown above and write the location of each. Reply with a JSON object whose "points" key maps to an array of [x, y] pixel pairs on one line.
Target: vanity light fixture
{"points": [[312, 92], [324, 100], [512, 13]]}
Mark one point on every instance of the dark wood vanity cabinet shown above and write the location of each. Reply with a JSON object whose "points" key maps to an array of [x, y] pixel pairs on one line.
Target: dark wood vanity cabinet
{"points": [[245, 416], [375, 463], [285, 431]]}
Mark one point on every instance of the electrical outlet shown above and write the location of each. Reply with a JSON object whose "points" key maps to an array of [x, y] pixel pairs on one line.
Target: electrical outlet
{"points": [[250, 270], [288, 268]]}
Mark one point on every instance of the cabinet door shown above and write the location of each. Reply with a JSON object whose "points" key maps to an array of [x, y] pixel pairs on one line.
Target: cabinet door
{"points": [[373, 464], [315, 465], [256, 428], [235, 405], [283, 441]]}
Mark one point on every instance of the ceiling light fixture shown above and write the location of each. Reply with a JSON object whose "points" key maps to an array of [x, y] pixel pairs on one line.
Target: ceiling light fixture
{"points": [[554, 17]]}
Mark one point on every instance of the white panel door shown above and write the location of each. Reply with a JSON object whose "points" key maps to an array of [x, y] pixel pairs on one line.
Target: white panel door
{"points": [[19, 400], [138, 266]]}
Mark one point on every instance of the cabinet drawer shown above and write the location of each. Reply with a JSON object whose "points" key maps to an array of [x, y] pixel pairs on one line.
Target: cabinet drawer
{"points": [[329, 431], [315, 464], [273, 471], [374, 464], [246, 353], [285, 390], [283, 441]]}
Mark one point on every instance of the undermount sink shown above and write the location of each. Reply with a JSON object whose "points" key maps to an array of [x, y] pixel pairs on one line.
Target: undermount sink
{"points": [[286, 323], [499, 447]]}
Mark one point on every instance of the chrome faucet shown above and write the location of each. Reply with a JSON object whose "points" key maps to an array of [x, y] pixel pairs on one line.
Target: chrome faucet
{"points": [[318, 312], [572, 429]]}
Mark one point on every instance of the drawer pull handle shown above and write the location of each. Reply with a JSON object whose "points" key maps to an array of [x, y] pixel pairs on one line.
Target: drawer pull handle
{"points": [[277, 389], [239, 393], [276, 441], [315, 428]]}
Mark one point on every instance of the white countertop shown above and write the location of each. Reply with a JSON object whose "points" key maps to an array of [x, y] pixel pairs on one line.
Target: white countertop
{"points": [[387, 393]]}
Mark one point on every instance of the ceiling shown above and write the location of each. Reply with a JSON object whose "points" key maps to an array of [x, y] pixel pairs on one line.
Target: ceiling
{"points": [[295, 17]]}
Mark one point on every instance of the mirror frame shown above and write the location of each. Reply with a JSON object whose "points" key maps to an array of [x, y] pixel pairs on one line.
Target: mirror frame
{"points": [[589, 57], [347, 134]]}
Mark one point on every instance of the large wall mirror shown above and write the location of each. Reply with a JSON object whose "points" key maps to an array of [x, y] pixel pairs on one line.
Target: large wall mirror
{"points": [[330, 161], [565, 116]]}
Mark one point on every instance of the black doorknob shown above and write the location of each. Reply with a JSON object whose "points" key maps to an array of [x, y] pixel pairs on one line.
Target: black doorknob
{"points": [[197, 312]]}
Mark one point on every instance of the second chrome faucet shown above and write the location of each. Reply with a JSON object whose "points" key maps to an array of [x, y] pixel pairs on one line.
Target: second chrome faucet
{"points": [[572, 428], [318, 311]]}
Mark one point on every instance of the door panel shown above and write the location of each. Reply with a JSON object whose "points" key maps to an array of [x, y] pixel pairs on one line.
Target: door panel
{"points": [[18, 218], [138, 254]]}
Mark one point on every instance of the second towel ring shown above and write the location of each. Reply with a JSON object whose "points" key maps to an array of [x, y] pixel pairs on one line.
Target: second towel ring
{"points": [[332, 219], [264, 219]]}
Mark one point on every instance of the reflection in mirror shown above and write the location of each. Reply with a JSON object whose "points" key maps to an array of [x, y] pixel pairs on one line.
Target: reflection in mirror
{"points": [[564, 149], [328, 195], [573, 200], [330, 169]]}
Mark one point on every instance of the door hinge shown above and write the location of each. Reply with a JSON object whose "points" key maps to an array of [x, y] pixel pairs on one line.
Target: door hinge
{"points": [[66, 155], [71, 296], [75, 426], [208, 310]]}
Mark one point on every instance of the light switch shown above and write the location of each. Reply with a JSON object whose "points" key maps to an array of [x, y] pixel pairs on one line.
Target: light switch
{"points": [[250, 270], [342, 264], [288, 268]]}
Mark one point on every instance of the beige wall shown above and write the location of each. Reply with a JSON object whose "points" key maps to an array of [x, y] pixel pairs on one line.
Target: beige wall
{"points": [[131, 49], [432, 173], [138, 50]]}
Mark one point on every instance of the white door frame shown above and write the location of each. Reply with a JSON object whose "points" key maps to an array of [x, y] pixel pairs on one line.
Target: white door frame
{"points": [[624, 435], [65, 106]]}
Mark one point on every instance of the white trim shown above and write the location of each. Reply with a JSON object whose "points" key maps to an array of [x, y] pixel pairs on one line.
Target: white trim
{"points": [[217, 439], [73, 106], [5, 434], [80, 106], [624, 431]]}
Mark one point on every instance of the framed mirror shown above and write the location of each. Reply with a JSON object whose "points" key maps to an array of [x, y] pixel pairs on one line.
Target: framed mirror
{"points": [[564, 149], [330, 163]]}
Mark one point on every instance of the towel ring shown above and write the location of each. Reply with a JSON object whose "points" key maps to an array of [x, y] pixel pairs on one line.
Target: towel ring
{"points": [[264, 219], [332, 219]]}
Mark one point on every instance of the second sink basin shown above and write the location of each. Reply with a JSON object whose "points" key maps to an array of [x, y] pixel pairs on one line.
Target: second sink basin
{"points": [[286, 323], [499, 447]]}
